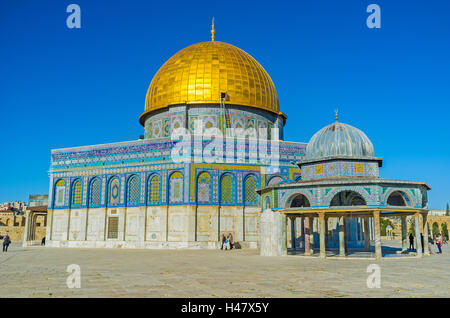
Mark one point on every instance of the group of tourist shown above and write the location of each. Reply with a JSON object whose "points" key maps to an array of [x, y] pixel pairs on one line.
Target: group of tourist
{"points": [[437, 240], [227, 242]]}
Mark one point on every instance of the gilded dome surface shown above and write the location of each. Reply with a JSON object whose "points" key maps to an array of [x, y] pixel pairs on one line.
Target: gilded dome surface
{"points": [[199, 74], [338, 140]]}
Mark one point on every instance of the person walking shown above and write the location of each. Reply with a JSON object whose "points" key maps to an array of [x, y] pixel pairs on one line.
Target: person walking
{"points": [[430, 244], [223, 242], [226, 244], [6, 242], [230, 240], [439, 243], [411, 241]]}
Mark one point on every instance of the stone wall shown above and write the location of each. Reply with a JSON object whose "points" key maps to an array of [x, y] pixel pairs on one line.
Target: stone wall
{"points": [[16, 227], [174, 226]]}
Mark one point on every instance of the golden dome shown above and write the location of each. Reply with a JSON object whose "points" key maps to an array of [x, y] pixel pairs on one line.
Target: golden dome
{"points": [[199, 73]]}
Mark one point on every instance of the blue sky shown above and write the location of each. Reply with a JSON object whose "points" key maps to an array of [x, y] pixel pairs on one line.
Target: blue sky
{"points": [[63, 87]]}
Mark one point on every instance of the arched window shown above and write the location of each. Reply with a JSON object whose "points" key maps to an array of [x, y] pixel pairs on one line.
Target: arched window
{"points": [[267, 203], [347, 198], [397, 198], [114, 191], [94, 192], [274, 180], [77, 193], [204, 187], [226, 189], [133, 191], [154, 190], [250, 190], [176, 187], [60, 190], [300, 201]]}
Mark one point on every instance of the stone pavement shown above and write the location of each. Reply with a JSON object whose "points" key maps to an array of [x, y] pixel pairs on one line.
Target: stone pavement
{"points": [[41, 272]]}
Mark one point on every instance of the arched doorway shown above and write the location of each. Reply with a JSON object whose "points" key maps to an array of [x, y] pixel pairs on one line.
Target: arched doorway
{"points": [[398, 198], [347, 198], [349, 232], [300, 201]]}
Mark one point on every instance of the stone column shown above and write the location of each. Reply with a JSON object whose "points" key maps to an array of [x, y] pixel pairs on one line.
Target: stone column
{"points": [[345, 235], [404, 234], [322, 220], [311, 234], [376, 221], [341, 236], [307, 235], [302, 233], [272, 234], [26, 230], [366, 234], [418, 240], [425, 233], [292, 218]]}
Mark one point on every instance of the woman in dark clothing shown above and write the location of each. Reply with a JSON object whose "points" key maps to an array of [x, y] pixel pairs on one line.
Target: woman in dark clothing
{"points": [[223, 241], [411, 241], [6, 242]]}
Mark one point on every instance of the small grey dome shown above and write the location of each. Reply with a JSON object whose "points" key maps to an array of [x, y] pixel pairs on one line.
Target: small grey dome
{"points": [[339, 140]]}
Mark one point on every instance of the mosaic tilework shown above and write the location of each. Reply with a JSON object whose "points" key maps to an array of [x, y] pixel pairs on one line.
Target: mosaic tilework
{"points": [[176, 187], [165, 128], [154, 195], [95, 192], [77, 193], [250, 190], [114, 191], [204, 187], [372, 169], [135, 152], [142, 196], [122, 189], [340, 167], [239, 187], [358, 167], [216, 186], [103, 189], [84, 190], [163, 192], [226, 188], [133, 190], [60, 190]]}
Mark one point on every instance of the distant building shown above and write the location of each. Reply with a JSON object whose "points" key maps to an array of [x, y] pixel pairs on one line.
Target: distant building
{"points": [[18, 205], [18, 227], [437, 212], [37, 200]]}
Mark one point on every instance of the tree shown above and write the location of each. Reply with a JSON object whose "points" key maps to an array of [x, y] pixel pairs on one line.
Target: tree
{"points": [[447, 210]]}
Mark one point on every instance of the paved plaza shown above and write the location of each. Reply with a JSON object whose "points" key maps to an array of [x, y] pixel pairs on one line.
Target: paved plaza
{"points": [[41, 272]]}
